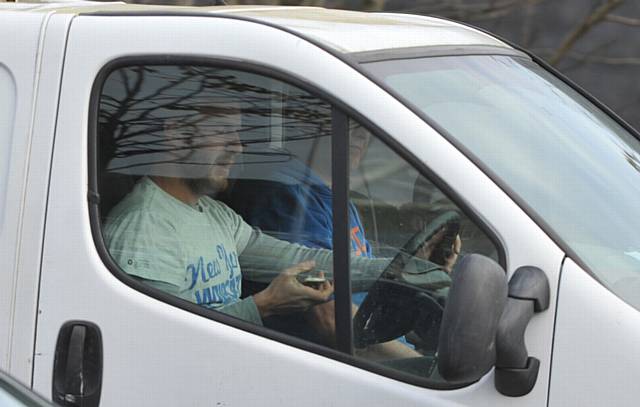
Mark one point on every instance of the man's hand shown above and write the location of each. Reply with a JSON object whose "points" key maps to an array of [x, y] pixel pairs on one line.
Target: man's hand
{"points": [[455, 251], [286, 294], [322, 320], [427, 248]]}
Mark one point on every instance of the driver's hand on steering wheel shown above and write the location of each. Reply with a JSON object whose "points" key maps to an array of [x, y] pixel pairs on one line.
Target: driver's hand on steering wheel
{"points": [[428, 247]]}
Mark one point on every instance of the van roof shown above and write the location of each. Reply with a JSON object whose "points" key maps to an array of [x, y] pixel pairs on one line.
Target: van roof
{"points": [[341, 30]]}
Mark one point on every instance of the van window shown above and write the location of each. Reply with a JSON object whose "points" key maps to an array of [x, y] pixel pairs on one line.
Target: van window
{"points": [[174, 140], [216, 187], [7, 111]]}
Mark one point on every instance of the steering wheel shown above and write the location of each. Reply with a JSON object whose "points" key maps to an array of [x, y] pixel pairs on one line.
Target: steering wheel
{"points": [[398, 300]]}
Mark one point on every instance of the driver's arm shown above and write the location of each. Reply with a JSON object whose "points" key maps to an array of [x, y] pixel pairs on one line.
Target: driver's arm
{"points": [[264, 257]]}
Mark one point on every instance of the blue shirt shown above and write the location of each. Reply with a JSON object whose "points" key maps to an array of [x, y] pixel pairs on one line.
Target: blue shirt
{"points": [[296, 205]]}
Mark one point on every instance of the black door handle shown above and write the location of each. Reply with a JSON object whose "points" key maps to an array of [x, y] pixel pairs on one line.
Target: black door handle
{"points": [[77, 366]]}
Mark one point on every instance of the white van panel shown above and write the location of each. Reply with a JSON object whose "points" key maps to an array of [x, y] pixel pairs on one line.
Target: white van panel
{"points": [[34, 209], [596, 354], [21, 35], [7, 112]]}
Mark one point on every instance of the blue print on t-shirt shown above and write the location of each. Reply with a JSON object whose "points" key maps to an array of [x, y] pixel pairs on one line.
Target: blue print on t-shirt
{"points": [[231, 259], [208, 289], [207, 273], [219, 294]]}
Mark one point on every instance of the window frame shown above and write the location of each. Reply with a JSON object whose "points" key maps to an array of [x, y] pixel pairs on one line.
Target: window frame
{"points": [[340, 111]]}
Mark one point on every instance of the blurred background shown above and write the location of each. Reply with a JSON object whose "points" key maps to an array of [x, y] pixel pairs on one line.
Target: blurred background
{"points": [[594, 42]]}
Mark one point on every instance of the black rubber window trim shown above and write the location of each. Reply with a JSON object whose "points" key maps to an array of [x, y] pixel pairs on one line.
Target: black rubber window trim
{"points": [[93, 195]]}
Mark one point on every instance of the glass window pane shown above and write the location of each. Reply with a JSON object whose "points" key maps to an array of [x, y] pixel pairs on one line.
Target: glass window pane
{"points": [[193, 160]]}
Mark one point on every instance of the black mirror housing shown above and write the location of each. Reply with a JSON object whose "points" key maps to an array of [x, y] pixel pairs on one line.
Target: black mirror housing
{"points": [[478, 294], [516, 371]]}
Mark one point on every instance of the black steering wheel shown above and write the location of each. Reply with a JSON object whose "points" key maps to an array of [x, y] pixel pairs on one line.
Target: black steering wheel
{"points": [[395, 304]]}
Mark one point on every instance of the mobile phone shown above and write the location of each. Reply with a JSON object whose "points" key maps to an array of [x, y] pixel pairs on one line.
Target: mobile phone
{"points": [[311, 279]]}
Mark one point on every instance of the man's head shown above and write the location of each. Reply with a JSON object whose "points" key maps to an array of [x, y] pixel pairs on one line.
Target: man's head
{"points": [[206, 145]]}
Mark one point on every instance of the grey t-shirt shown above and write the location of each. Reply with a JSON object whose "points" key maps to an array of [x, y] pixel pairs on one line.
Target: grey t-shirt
{"points": [[201, 253], [189, 252]]}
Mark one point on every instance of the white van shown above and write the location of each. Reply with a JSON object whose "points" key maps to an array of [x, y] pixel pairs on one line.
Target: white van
{"points": [[160, 167]]}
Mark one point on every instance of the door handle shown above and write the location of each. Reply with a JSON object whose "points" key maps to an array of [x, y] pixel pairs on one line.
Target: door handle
{"points": [[77, 366]]}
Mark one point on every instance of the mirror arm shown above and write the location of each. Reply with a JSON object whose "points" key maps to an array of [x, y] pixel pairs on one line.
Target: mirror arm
{"points": [[516, 372]]}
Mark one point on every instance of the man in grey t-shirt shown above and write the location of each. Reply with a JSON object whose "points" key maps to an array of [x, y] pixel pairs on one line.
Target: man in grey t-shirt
{"points": [[170, 234]]}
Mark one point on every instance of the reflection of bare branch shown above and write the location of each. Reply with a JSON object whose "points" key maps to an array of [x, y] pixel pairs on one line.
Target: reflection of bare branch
{"points": [[634, 22], [139, 102], [587, 24]]}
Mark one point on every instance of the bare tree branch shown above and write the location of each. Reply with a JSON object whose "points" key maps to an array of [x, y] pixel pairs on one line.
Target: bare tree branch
{"points": [[502, 10], [606, 60], [527, 24], [634, 22], [587, 24], [590, 57]]}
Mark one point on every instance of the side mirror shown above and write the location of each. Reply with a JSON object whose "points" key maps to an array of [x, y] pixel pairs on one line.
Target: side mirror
{"points": [[478, 294], [516, 371]]}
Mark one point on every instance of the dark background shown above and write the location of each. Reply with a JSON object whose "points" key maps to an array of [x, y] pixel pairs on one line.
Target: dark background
{"points": [[594, 42]]}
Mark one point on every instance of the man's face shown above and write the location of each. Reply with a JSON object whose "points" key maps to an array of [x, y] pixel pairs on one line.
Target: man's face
{"points": [[215, 145]]}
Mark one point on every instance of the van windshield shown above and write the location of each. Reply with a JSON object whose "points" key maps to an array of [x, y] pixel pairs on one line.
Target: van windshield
{"points": [[573, 165]]}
